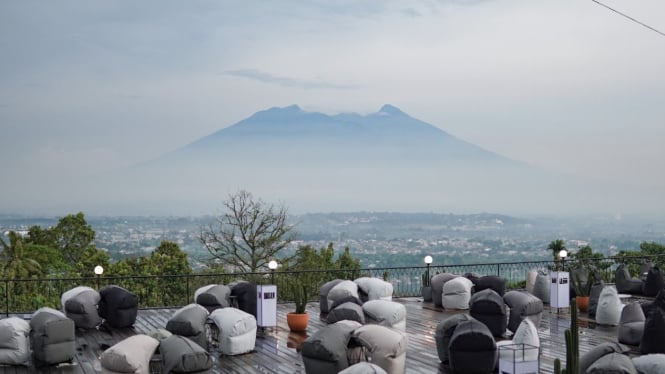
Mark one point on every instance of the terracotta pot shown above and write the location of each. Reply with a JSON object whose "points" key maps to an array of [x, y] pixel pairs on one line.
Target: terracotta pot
{"points": [[297, 322], [582, 303]]}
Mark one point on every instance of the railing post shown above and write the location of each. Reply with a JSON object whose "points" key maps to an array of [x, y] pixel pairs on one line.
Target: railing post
{"points": [[7, 297], [187, 293], [498, 270]]}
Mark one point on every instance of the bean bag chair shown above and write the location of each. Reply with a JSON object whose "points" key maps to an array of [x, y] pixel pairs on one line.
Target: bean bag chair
{"points": [[527, 333], [644, 270], [52, 336], [522, 305], [385, 313], [14, 341], [473, 277], [609, 307], [653, 283], [80, 304], [131, 355], [599, 351], [213, 296], [325, 351], [531, 280], [650, 364], [437, 283], [489, 308], [189, 321], [613, 363], [456, 293], [541, 289], [181, 355], [374, 289], [245, 294], [323, 294], [625, 283], [631, 324], [237, 330], [594, 295], [363, 368], [444, 331], [118, 306], [341, 290], [472, 348], [346, 311], [653, 337], [384, 347], [496, 283]]}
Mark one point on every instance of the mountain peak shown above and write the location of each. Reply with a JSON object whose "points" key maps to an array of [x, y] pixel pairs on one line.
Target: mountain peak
{"points": [[388, 109]]}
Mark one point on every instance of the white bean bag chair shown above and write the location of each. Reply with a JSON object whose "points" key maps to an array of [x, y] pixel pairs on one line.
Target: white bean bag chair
{"points": [[385, 347], [531, 280], [131, 355], [80, 304], [609, 307], [650, 364], [526, 333], [342, 290], [374, 289], [237, 330], [14, 341], [456, 293], [386, 313]]}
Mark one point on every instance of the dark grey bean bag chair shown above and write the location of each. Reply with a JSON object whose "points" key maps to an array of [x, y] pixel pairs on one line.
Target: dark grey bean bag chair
{"points": [[323, 294], [213, 296], [14, 341], [599, 351], [541, 289], [496, 283], [594, 295], [644, 270], [625, 283], [473, 277], [522, 305], [384, 347], [346, 311], [386, 313], [325, 351], [245, 294], [437, 283], [631, 324], [653, 283], [80, 304], [189, 321], [613, 363], [472, 348], [181, 355], [363, 368], [489, 308], [52, 336], [444, 331], [658, 302], [653, 337], [650, 364], [118, 306], [131, 355]]}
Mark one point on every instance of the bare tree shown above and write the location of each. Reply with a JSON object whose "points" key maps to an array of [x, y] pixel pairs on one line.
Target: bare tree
{"points": [[249, 234]]}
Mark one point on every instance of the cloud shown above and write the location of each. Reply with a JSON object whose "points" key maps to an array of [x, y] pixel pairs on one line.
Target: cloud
{"points": [[268, 78]]}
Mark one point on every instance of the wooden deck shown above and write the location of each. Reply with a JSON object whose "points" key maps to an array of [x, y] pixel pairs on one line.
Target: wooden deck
{"points": [[277, 349]]}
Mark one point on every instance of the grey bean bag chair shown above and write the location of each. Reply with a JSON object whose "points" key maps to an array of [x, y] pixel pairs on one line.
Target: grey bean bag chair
{"points": [[189, 321], [653, 283], [181, 355], [456, 293], [541, 289], [625, 283], [346, 311], [653, 337], [52, 336], [493, 282], [118, 306], [599, 351], [80, 304], [374, 289], [342, 290], [631, 324], [594, 295], [531, 280], [384, 346], [472, 348], [613, 363], [522, 305], [325, 351], [323, 294], [363, 368], [437, 283], [245, 294], [444, 331], [386, 313], [213, 296], [650, 364], [14, 341], [489, 308], [237, 330], [131, 355], [609, 307], [472, 276]]}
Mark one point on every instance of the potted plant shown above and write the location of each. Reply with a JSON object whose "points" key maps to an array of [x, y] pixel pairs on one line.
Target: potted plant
{"points": [[298, 319], [582, 287]]}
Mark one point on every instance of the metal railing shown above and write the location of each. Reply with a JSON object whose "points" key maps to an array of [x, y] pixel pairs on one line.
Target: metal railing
{"points": [[164, 291]]}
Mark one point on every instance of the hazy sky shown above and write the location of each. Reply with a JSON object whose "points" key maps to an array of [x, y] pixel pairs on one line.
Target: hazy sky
{"points": [[565, 85]]}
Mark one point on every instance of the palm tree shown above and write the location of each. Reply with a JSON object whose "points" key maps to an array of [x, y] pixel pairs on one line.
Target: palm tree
{"points": [[14, 263], [556, 246]]}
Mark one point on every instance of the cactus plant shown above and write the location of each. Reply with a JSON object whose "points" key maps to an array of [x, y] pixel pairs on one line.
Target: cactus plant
{"points": [[572, 345]]}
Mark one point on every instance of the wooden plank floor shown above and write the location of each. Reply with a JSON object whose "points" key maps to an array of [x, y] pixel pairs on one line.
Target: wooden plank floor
{"points": [[277, 349]]}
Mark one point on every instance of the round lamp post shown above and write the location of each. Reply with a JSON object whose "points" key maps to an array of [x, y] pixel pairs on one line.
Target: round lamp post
{"points": [[272, 265], [562, 255], [99, 270], [428, 261]]}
